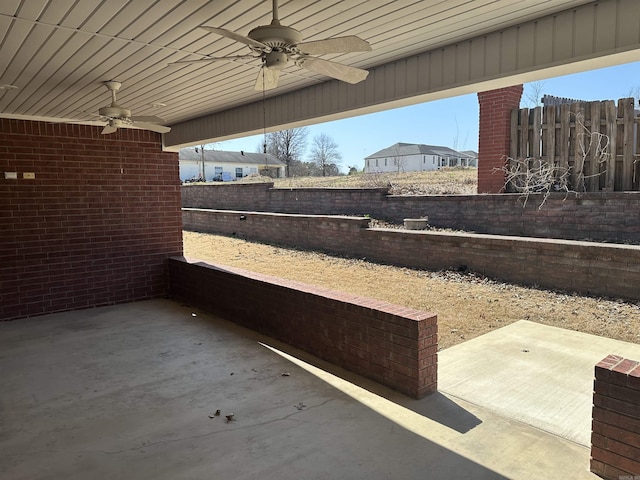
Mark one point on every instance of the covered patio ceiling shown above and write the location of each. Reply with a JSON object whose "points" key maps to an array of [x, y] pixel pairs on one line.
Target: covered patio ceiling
{"points": [[55, 54]]}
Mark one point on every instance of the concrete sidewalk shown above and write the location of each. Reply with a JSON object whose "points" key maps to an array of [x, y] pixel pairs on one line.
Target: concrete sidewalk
{"points": [[539, 375], [128, 392]]}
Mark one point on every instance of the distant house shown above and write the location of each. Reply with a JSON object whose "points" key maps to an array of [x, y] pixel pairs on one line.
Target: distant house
{"points": [[472, 158], [226, 166], [412, 157]]}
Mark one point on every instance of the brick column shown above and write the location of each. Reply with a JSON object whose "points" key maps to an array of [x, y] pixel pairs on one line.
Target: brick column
{"points": [[494, 134], [615, 437]]}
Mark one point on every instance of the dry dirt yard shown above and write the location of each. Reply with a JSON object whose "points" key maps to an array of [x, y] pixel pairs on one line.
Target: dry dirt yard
{"points": [[467, 305]]}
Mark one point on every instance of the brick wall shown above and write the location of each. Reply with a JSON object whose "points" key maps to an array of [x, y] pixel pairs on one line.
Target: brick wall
{"points": [[231, 196], [599, 216], [590, 268], [393, 345], [494, 135], [615, 438], [94, 227]]}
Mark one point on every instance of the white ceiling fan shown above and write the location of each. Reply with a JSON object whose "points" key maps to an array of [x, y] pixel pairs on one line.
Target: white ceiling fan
{"points": [[276, 45], [118, 117]]}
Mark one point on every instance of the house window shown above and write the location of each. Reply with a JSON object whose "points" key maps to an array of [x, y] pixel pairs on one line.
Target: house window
{"points": [[376, 162], [385, 162], [239, 172]]}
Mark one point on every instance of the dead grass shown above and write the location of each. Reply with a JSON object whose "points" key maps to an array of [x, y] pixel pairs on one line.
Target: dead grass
{"points": [[447, 181], [467, 305]]}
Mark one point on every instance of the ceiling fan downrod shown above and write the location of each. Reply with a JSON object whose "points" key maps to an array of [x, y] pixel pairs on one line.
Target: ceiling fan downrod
{"points": [[276, 19]]}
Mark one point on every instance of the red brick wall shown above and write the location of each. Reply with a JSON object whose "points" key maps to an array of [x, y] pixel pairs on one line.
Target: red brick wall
{"points": [[393, 345], [94, 227], [615, 437], [494, 135]]}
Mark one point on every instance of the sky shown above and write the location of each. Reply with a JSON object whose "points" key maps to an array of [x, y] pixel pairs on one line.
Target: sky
{"points": [[452, 122]]}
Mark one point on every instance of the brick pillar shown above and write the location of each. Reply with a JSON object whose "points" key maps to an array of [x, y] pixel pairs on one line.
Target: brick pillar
{"points": [[615, 434], [494, 134]]}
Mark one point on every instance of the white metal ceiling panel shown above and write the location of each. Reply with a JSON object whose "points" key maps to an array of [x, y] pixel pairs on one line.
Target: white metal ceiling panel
{"points": [[58, 52]]}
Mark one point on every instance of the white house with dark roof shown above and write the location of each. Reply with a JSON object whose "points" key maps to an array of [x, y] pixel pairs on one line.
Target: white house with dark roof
{"points": [[413, 157], [226, 166]]}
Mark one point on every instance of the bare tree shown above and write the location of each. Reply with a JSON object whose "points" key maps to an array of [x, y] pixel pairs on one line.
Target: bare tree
{"points": [[288, 146], [399, 161], [533, 93], [201, 150], [456, 138], [634, 92], [325, 154]]}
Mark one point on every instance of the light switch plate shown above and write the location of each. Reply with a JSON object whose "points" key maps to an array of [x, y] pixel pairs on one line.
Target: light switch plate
{"points": [[11, 175], [29, 175]]}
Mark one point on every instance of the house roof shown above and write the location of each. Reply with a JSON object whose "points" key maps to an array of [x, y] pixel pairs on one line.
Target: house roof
{"points": [[470, 153], [404, 149], [217, 156]]}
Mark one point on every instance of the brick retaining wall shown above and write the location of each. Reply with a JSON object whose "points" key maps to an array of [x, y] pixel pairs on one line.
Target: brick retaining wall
{"points": [[589, 268], [615, 438], [601, 216], [393, 345]]}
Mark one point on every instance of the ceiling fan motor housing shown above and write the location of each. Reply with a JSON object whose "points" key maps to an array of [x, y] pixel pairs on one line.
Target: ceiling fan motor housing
{"points": [[114, 112], [276, 36]]}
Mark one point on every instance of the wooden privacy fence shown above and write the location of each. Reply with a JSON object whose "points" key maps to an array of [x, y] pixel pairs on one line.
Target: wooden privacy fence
{"points": [[582, 146]]}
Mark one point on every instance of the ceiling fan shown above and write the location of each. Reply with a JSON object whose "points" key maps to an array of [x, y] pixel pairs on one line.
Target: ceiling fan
{"points": [[118, 117], [276, 45]]}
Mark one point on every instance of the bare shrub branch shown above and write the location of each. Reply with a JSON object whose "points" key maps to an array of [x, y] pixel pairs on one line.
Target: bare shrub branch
{"points": [[526, 176], [536, 175]]}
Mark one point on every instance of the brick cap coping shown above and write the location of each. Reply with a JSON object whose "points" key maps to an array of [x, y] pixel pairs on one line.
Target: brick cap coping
{"points": [[275, 214], [365, 302], [618, 364], [506, 239]]}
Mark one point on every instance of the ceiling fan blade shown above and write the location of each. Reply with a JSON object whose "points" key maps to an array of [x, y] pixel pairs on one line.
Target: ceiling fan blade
{"points": [[335, 70], [152, 126], [237, 37], [214, 59], [270, 80], [109, 129], [346, 44], [148, 119]]}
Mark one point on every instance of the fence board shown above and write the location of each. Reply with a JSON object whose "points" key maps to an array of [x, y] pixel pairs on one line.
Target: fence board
{"points": [[611, 131], [549, 135], [576, 159], [592, 183], [627, 148], [563, 161], [524, 134], [536, 132]]}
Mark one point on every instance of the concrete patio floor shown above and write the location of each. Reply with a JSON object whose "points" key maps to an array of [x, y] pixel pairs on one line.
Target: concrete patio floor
{"points": [[127, 392]]}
